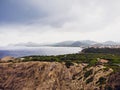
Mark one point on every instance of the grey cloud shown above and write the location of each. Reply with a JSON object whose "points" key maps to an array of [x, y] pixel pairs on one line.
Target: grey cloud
{"points": [[87, 14], [79, 15]]}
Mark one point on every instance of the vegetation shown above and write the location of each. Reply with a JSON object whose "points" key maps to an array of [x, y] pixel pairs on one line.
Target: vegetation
{"points": [[68, 64], [106, 69], [115, 67], [88, 73], [108, 88], [89, 55], [101, 80], [78, 58], [89, 80], [102, 50]]}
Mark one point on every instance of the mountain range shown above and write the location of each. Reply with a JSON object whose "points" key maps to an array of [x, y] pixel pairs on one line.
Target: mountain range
{"points": [[82, 43]]}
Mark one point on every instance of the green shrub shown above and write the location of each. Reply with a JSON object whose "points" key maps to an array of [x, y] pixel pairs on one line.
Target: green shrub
{"points": [[106, 69], [88, 73], [101, 80], [108, 88], [89, 80], [68, 64], [115, 68], [93, 62]]}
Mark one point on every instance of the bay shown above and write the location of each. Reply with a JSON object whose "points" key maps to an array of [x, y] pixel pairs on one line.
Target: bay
{"points": [[27, 51]]}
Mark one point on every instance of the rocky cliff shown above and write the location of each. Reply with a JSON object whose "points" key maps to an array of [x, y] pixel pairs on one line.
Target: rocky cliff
{"points": [[55, 76]]}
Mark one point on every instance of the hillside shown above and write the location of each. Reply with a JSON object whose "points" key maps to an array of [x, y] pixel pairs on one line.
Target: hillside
{"points": [[102, 50], [55, 76], [84, 43], [81, 71], [79, 43]]}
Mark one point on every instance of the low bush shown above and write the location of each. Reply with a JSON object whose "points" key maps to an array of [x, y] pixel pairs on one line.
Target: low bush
{"points": [[101, 81], [89, 80], [88, 73], [68, 64]]}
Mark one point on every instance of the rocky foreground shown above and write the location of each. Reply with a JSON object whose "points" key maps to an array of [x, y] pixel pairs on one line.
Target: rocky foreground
{"points": [[37, 75]]}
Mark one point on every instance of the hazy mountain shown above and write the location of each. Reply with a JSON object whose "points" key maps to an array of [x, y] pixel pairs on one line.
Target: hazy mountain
{"points": [[110, 43], [63, 44], [79, 44], [75, 43], [89, 42], [83, 43]]}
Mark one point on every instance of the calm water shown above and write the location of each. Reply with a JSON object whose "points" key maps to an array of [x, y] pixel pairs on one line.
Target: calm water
{"points": [[27, 51]]}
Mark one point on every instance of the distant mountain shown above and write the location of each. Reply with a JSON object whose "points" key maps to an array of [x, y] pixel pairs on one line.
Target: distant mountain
{"points": [[89, 42], [64, 43], [110, 43], [97, 45], [79, 44], [82, 43]]}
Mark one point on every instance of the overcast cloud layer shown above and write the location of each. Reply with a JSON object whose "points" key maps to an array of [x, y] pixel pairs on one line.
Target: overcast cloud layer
{"points": [[58, 20]]}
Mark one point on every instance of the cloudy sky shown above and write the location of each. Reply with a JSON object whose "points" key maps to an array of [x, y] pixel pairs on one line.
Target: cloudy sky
{"points": [[44, 21]]}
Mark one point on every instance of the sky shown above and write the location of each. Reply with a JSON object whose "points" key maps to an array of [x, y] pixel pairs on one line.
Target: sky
{"points": [[43, 21]]}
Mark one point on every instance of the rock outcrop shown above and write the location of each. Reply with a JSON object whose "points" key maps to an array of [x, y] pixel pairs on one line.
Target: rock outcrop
{"points": [[7, 59], [52, 76]]}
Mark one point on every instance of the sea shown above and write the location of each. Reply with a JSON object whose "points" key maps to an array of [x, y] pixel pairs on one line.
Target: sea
{"points": [[42, 51]]}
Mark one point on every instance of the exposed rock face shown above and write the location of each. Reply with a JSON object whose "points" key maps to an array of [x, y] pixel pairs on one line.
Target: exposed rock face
{"points": [[51, 76], [7, 58], [102, 61]]}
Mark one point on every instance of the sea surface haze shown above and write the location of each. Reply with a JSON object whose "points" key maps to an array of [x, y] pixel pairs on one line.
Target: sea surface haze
{"points": [[27, 51]]}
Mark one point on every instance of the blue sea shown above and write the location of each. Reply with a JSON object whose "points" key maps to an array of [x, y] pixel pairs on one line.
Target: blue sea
{"points": [[27, 51]]}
